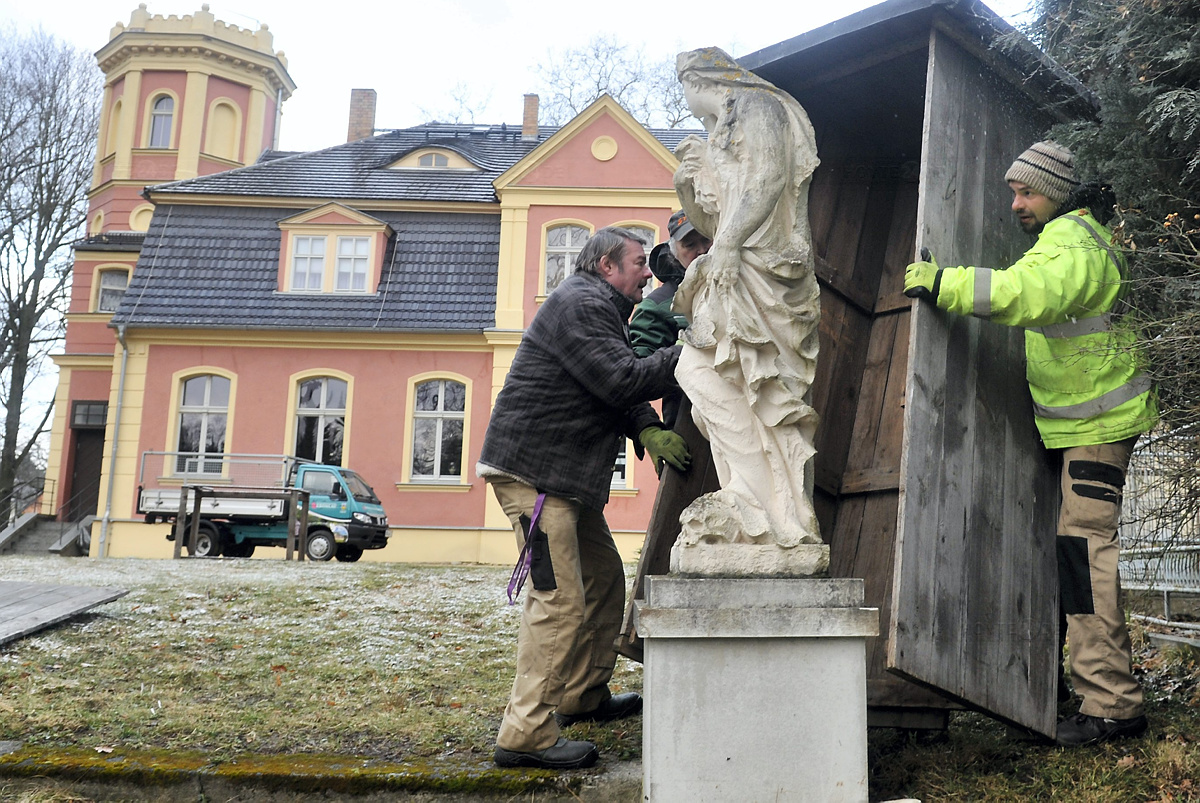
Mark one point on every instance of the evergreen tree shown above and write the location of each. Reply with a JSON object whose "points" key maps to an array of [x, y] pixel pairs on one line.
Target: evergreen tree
{"points": [[1141, 58]]}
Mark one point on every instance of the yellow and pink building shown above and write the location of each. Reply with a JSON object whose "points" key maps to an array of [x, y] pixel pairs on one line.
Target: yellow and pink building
{"points": [[358, 305]]}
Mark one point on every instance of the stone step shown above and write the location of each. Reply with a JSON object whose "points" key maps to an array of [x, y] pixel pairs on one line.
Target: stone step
{"points": [[39, 539]]}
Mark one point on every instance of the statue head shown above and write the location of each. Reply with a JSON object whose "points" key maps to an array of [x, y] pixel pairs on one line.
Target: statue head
{"points": [[707, 75]]}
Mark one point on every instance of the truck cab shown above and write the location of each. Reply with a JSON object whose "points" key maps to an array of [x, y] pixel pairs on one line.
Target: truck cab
{"points": [[345, 516]]}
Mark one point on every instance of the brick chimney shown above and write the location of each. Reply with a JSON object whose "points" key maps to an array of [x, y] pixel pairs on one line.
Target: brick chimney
{"points": [[529, 122], [362, 114]]}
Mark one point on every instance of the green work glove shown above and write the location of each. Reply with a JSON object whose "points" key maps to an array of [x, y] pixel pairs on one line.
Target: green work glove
{"points": [[663, 444], [923, 279]]}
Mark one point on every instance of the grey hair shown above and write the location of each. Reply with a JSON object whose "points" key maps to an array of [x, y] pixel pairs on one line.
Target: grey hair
{"points": [[608, 242]]}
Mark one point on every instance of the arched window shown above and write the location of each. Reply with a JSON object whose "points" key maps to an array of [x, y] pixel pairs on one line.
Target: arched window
{"points": [[563, 244], [161, 114], [433, 160], [203, 411], [438, 412], [321, 419]]}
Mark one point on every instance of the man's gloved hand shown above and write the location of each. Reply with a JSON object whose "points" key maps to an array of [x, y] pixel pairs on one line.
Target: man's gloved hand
{"points": [[923, 279], [663, 444]]}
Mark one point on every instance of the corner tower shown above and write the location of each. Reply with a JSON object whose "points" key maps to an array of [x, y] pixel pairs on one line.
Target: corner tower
{"points": [[183, 97]]}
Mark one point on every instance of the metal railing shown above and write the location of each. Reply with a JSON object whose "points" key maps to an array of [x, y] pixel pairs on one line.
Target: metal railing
{"points": [[25, 496], [256, 470], [1160, 529]]}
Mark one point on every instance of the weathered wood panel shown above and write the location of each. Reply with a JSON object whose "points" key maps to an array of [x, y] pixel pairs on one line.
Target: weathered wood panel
{"points": [[28, 607], [975, 591]]}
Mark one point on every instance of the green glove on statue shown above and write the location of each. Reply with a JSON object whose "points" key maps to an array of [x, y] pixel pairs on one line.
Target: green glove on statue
{"points": [[663, 444], [922, 279]]}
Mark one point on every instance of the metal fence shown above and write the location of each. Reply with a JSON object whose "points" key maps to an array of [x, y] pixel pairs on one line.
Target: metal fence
{"points": [[252, 470], [1160, 529]]}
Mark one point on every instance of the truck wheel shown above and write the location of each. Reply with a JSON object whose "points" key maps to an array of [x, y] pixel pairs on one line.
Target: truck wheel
{"points": [[242, 550], [208, 541], [321, 545], [348, 553]]}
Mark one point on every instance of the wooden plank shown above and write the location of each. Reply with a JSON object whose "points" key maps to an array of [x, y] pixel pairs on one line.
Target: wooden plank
{"points": [[844, 333], [967, 619], [29, 607]]}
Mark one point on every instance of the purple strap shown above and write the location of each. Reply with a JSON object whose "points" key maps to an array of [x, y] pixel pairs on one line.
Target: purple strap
{"points": [[525, 559]]}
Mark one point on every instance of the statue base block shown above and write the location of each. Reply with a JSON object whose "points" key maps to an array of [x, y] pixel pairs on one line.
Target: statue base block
{"points": [[749, 560], [754, 689]]}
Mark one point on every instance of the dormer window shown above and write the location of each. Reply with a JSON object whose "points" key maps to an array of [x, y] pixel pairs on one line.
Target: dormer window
{"points": [[332, 249], [161, 114], [433, 159]]}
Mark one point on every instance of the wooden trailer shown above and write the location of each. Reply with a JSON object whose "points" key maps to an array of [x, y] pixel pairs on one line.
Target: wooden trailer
{"points": [[932, 484]]}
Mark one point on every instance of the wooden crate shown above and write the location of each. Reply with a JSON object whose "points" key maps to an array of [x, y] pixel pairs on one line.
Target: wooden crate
{"points": [[932, 484]]}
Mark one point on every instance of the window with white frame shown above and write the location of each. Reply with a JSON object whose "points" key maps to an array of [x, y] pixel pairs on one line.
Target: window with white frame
{"points": [[438, 414], [563, 244], [161, 114], [619, 467], [112, 289], [352, 259], [308, 263], [433, 160], [203, 411], [321, 419]]}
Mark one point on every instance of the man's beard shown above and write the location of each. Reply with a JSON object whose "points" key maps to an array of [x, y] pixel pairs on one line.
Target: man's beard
{"points": [[1033, 226]]}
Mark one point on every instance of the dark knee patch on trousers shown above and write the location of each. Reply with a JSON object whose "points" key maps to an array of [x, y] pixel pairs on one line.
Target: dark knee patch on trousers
{"points": [[1074, 575], [1091, 471], [1096, 492], [541, 568]]}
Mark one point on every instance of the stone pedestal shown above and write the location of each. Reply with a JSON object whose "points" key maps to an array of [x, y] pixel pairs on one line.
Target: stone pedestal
{"points": [[755, 689]]}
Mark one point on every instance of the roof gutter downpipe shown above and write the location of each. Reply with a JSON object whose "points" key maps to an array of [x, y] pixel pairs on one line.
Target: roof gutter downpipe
{"points": [[102, 552]]}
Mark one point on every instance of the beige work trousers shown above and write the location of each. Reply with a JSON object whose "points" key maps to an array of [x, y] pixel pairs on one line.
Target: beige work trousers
{"points": [[574, 601], [1101, 657]]}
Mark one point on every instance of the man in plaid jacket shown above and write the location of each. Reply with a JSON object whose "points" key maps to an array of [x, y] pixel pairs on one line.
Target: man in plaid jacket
{"points": [[575, 390]]}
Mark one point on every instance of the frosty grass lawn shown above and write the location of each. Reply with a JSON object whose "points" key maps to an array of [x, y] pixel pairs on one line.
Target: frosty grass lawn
{"points": [[414, 663]]}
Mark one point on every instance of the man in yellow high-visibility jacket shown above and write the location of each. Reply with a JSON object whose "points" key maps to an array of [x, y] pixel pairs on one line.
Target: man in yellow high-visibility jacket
{"points": [[1091, 401]]}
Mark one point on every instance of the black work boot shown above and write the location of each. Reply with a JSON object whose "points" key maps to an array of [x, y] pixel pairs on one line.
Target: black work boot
{"points": [[562, 755], [1082, 729], [617, 706]]}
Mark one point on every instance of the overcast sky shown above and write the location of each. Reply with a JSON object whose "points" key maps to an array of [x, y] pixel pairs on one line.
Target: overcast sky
{"points": [[414, 53]]}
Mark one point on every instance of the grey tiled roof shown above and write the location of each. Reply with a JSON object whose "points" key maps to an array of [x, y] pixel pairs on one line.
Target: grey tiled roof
{"points": [[359, 170], [218, 267]]}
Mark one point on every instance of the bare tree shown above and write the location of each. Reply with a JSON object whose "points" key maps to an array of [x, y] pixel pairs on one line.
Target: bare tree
{"points": [[574, 79], [461, 105], [49, 104]]}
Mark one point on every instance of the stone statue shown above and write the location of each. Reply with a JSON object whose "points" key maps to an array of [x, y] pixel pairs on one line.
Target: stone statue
{"points": [[751, 349]]}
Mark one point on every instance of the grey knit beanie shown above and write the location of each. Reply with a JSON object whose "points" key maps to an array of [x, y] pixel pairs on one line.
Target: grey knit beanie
{"points": [[1045, 167]]}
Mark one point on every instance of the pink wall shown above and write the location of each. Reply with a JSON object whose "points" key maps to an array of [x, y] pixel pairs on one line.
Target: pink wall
{"points": [[154, 167], [573, 165], [117, 201], [375, 420]]}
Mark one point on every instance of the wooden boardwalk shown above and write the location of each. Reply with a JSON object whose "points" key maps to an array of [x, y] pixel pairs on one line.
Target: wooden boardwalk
{"points": [[28, 607]]}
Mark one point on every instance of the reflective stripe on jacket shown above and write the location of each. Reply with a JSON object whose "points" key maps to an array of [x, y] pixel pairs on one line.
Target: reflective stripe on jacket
{"points": [[1083, 368]]}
